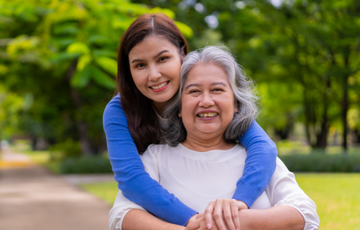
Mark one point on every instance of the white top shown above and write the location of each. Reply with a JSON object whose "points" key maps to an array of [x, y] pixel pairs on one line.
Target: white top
{"points": [[196, 178]]}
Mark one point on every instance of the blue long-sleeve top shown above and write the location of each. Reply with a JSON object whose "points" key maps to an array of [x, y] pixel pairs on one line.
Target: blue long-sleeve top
{"points": [[139, 187]]}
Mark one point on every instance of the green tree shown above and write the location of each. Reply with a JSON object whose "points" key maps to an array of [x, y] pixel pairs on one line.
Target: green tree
{"points": [[63, 53]]}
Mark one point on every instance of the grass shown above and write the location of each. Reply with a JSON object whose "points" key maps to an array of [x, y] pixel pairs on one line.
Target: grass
{"points": [[106, 191], [337, 197], [43, 158]]}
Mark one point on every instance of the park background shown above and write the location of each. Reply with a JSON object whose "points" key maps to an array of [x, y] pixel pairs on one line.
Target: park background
{"points": [[58, 68]]}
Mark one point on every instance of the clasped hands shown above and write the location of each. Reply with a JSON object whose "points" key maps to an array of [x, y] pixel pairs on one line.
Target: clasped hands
{"points": [[222, 214]]}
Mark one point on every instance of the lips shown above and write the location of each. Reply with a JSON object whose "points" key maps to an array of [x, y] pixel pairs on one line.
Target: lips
{"points": [[159, 86]]}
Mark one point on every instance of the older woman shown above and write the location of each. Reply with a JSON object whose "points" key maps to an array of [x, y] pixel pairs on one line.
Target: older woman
{"points": [[215, 106]]}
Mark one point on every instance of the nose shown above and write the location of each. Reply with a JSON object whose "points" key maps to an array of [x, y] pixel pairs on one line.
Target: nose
{"points": [[206, 100], [154, 73]]}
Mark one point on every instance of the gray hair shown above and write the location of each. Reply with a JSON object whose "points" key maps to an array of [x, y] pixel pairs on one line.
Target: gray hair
{"points": [[244, 95]]}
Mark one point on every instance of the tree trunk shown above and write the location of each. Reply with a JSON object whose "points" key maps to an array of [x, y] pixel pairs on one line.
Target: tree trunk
{"points": [[345, 102], [321, 137], [345, 108], [357, 133], [81, 125]]}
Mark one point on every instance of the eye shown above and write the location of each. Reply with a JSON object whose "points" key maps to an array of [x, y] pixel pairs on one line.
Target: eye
{"points": [[139, 66], [164, 58], [218, 90], [194, 91]]}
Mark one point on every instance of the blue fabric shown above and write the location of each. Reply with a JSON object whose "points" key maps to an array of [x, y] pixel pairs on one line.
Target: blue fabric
{"points": [[139, 187]]}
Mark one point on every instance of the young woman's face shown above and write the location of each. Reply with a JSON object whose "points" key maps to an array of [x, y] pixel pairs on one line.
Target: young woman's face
{"points": [[207, 102], [155, 68]]}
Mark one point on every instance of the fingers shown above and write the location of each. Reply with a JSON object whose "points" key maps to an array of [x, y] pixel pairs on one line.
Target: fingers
{"points": [[194, 223], [218, 214], [228, 214], [208, 215], [242, 205], [235, 214]]}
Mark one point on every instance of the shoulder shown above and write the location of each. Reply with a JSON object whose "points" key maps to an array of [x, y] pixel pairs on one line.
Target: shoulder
{"points": [[113, 106], [157, 149], [114, 114]]}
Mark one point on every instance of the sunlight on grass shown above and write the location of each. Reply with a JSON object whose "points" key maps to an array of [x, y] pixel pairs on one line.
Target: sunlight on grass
{"points": [[104, 190], [337, 198], [43, 158]]}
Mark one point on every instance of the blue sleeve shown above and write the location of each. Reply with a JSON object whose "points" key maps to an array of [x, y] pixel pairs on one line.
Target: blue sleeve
{"points": [[260, 164], [133, 181]]}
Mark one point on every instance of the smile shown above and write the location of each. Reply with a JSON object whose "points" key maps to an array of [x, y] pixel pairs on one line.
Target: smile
{"points": [[160, 85], [207, 114]]}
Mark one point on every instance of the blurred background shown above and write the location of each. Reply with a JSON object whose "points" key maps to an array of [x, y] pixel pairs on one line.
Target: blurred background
{"points": [[58, 68]]}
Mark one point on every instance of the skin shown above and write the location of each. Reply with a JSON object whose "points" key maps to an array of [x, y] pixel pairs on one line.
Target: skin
{"points": [[275, 218], [156, 61], [207, 92], [207, 95], [155, 67]]}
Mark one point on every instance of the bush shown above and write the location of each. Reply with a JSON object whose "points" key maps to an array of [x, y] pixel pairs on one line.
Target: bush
{"points": [[317, 162], [85, 164], [67, 149]]}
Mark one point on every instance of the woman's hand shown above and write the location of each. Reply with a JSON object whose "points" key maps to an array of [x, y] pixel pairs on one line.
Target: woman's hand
{"points": [[224, 209], [197, 222]]}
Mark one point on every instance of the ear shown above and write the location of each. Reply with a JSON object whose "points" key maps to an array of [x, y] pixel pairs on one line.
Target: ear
{"points": [[236, 109], [179, 114]]}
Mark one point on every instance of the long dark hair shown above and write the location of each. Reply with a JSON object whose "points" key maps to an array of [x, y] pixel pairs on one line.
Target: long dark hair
{"points": [[143, 122]]}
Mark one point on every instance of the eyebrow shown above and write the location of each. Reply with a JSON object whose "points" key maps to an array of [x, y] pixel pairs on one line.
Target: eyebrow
{"points": [[195, 85], [156, 56]]}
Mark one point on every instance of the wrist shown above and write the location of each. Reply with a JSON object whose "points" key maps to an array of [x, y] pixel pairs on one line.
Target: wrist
{"points": [[193, 218]]}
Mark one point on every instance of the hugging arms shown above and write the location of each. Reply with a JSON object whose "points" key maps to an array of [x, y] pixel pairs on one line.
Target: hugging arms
{"points": [[149, 60]]}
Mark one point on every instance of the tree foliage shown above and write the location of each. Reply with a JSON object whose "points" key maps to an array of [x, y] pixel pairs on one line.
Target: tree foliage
{"points": [[63, 54]]}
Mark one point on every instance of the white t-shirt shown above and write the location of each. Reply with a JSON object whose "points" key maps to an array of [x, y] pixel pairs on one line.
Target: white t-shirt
{"points": [[196, 178]]}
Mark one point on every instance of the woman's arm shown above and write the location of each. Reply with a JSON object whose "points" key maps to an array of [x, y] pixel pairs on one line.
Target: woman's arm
{"points": [[283, 190], [128, 168], [259, 165], [275, 218]]}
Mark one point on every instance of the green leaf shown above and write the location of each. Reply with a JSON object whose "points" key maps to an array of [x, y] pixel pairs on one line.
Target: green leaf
{"points": [[167, 12], [79, 48], [185, 29], [107, 64], [97, 39], [81, 78], [65, 29], [84, 60], [106, 53], [59, 57], [102, 78]]}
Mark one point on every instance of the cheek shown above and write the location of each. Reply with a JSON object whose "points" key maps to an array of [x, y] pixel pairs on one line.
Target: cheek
{"points": [[138, 79]]}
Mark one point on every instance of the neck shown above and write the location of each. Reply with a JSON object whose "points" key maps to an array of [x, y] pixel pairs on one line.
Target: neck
{"points": [[159, 107], [207, 144]]}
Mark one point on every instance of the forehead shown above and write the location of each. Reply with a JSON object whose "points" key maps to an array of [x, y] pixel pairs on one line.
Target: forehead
{"points": [[206, 74], [150, 46]]}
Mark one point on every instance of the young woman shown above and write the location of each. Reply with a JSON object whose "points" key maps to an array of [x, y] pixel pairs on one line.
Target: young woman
{"points": [[215, 102], [149, 61]]}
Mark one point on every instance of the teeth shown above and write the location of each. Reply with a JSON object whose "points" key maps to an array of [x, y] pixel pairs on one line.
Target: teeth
{"points": [[207, 114], [159, 86]]}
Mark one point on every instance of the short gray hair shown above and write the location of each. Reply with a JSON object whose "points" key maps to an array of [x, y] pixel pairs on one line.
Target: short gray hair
{"points": [[244, 95]]}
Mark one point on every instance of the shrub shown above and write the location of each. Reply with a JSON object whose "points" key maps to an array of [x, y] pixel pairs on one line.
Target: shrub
{"points": [[65, 149], [85, 164], [317, 162]]}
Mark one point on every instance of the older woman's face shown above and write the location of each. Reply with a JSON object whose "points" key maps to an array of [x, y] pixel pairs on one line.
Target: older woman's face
{"points": [[207, 102]]}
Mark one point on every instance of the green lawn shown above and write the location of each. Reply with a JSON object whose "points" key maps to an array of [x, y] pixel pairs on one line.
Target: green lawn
{"points": [[43, 158], [104, 190], [337, 197]]}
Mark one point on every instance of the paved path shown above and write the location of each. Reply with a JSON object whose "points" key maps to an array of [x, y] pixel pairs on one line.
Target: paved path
{"points": [[33, 199]]}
